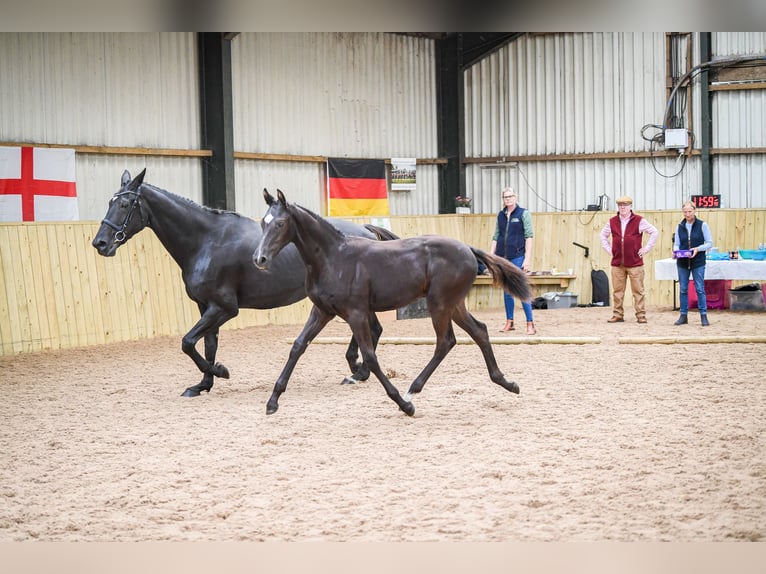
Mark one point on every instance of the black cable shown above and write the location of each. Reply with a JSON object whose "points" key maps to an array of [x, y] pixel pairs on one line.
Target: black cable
{"points": [[535, 192]]}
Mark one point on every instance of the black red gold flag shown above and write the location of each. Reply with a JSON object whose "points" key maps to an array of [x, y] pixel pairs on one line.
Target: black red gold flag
{"points": [[356, 187]]}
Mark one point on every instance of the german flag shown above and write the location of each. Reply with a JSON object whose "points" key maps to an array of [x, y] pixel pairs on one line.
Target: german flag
{"points": [[356, 187]]}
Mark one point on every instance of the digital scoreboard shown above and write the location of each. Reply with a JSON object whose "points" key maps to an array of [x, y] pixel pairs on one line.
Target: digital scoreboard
{"points": [[706, 200]]}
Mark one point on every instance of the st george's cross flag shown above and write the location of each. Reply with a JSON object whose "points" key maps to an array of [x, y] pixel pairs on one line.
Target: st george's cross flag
{"points": [[356, 187], [37, 184]]}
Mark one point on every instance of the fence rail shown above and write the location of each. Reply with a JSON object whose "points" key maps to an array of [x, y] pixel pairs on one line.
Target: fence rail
{"points": [[56, 292]]}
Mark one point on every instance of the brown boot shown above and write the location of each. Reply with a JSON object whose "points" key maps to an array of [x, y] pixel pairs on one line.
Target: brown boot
{"points": [[531, 328], [508, 326]]}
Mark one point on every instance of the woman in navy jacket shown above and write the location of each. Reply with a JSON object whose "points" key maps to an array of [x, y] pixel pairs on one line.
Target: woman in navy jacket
{"points": [[692, 234]]}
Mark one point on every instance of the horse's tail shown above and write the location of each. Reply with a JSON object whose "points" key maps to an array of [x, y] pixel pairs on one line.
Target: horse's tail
{"points": [[505, 274], [381, 233]]}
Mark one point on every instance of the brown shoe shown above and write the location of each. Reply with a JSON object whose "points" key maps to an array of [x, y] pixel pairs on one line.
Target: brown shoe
{"points": [[641, 320], [616, 319], [531, 328], [508, 326]]}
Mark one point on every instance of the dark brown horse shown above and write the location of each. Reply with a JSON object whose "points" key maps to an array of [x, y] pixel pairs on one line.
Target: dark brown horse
{"points": [[214, 249], [352, 278]]}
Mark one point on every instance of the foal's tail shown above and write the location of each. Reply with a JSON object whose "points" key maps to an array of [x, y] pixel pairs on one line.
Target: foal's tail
{"points": [[505, 274], [381, 233]]}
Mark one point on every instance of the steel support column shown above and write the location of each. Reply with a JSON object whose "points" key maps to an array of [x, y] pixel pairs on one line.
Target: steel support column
{"points": [[216, 125], [450, 121], [706, 117]]}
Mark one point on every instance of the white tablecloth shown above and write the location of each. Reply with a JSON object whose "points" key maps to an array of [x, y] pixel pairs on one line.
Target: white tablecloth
{"points": [[665, 269]]}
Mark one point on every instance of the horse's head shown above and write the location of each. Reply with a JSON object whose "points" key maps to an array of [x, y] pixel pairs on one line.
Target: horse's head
{"points": [[124, 217], [277, 228]]}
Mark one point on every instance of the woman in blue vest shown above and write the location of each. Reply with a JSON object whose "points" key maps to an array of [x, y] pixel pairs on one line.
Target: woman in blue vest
{"points": [[513, 241], [694, 234]]}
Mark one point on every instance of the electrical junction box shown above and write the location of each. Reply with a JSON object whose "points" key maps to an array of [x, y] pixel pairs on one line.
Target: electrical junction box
{"points": [[676, 139]]}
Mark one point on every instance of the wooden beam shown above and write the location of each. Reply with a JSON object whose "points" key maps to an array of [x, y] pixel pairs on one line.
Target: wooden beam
{"points": [[573, 156], [737, 150], [737, 87], [691, 339], [607, 155], [317, 158], [465, 340], [111, 150]]}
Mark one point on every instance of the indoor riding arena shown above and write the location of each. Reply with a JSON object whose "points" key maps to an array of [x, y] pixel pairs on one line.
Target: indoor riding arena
{"points": [[621, 432]]}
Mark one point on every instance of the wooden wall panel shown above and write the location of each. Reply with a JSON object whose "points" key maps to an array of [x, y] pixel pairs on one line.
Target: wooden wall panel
{"points": [[56, 292]]}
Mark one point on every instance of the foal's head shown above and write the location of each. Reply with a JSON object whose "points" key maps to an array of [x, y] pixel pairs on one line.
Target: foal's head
{"points": [[124, 217], [278, 230]]}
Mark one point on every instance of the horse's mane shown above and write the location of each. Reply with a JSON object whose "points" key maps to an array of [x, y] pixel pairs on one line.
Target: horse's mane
{"points": [[318, 218], [192, 202]]}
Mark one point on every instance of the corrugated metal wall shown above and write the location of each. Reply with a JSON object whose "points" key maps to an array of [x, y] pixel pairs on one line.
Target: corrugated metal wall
{"points": [[739, 121], [585, 93], [105, 89], [332, 94], [738, 43], [374, 95]]}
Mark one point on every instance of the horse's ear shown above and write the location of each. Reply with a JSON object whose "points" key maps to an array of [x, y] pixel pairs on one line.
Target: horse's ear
{"points": [[281, 197], [268, 197], [125, 178], [138, 180]]}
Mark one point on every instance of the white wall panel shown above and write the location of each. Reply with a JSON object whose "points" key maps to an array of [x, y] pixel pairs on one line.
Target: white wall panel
{"points": [[738, 43], [739, 121], [104, 89], [98, 178], [572, 185], [338, 95], [100, 89]]}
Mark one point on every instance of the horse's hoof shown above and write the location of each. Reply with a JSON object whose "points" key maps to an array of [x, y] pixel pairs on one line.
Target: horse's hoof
{"points": [[409, 409], [190, 392], [220, 371], [270, 410], [348, 381], [513, 387]]}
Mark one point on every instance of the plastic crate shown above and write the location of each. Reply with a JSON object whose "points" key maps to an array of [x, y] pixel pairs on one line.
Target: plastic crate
{"points": [[716, 292], [747, 300], [560, 300]]}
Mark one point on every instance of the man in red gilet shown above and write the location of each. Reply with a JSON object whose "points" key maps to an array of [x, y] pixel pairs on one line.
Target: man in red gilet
{"points": [[627, 250]]}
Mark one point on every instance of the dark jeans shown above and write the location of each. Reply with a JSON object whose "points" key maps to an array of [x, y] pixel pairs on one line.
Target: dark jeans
{"points": [[698, 275]]}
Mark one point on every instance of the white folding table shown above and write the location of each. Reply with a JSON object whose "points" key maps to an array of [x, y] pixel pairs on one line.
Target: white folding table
{"points": [[736, 269]]}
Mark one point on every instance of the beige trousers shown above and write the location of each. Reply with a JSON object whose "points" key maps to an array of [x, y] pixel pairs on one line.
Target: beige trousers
{"points": [[619, 282]]}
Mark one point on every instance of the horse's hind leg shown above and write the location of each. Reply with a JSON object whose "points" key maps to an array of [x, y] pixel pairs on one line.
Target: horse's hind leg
{"points": [[445, 340], [478, 332], [360, 371], [208, 325], [361, 328]]}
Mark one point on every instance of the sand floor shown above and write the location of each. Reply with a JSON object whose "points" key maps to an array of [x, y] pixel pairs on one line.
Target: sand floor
{"points": [[606, 441]]}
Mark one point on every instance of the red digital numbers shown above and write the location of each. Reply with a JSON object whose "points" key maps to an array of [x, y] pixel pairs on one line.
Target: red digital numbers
{"points": [[706, 200]]}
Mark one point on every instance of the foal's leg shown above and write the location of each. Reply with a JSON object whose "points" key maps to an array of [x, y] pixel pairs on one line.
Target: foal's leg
{"points": [[212, 318], [445, 340], [360, 326], [316, 322], [360, 371], [478, 332]]}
